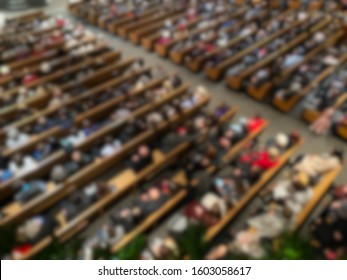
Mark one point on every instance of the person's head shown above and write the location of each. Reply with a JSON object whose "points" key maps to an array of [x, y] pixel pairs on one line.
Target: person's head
{"points": [[76, 156], [154, 194], [229, 134], [144, 151], [57, 93], [58, 174], [255, 170], [144, 197], [237, 172], [224, 143], [282, 140], [198, 210], [205, 161], [136, 211], [125, 213], [42, 120], [135, 158]]}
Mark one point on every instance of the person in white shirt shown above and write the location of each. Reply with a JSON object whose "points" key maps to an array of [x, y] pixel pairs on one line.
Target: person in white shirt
{"points": [[16, 139], [20, 165], [111, 146]]}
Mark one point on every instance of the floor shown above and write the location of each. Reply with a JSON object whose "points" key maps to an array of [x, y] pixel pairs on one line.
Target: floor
{"points": [[247, 107]]}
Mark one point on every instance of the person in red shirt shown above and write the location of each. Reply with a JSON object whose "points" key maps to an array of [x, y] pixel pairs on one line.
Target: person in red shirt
{"points": [[29, 77]]}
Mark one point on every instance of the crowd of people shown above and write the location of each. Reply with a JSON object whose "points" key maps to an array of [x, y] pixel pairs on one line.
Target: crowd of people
{"points": [[76, 117]]}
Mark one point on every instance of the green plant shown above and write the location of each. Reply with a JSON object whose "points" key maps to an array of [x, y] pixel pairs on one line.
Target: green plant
{"points": [[58, 251], [289, 246], [7, 239], [192, 244], [133, 250]]}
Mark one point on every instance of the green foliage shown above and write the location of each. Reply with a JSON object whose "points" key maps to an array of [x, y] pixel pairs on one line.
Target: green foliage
{"points": [[192, 243], [7, 239], [133, 250], [289, 247], [103, 254], [58, 251]]}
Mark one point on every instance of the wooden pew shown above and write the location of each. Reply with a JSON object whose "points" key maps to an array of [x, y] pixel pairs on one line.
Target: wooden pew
{"points": [[217, 72], [73, 6], [149, 41], [125, 30], [253, 191], [114, 26], [103, 21], [46, 241], [261, 92], [316, 5], [294, 4], [235, 82], [137, 35]]}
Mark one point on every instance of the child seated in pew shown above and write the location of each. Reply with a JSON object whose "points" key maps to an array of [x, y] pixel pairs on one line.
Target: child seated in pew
{"points": [[329, 230], [287, 197]]}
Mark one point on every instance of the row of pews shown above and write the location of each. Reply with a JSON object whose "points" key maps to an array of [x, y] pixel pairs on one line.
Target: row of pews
{"points": [[101, 98], [246, 44]]}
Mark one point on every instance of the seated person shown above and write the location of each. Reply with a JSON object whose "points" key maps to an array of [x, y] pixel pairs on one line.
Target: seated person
{"points": [[142, 158]]}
